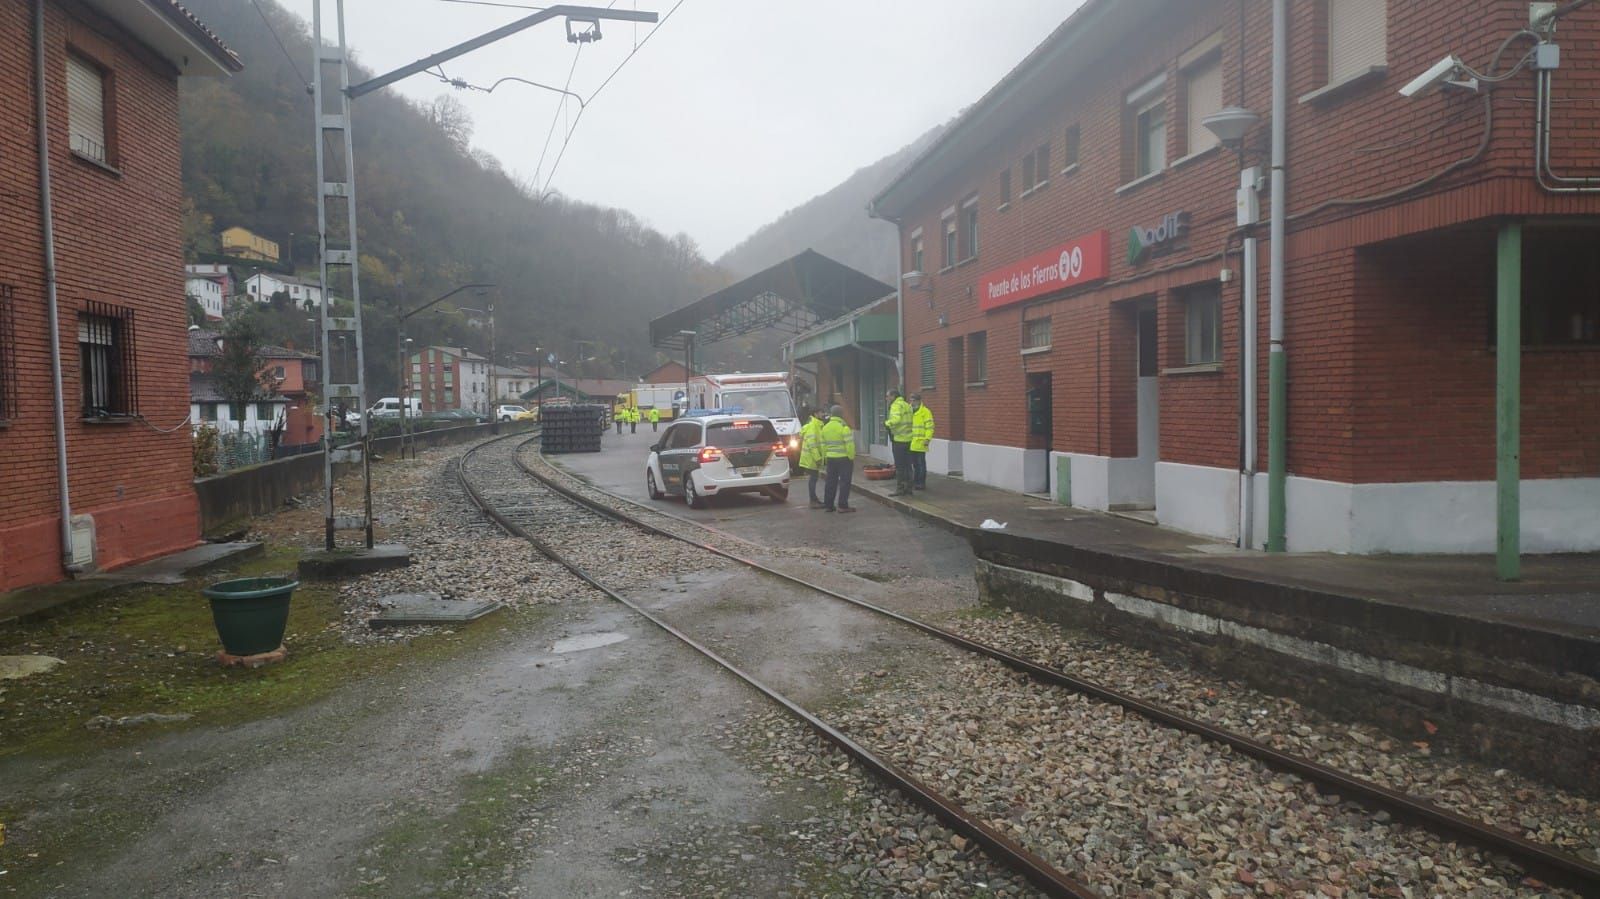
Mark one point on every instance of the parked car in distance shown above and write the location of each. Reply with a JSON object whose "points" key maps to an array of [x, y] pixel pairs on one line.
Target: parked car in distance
{"points": [[511, 412], [389, 407], [704, 456], [463, 416]]}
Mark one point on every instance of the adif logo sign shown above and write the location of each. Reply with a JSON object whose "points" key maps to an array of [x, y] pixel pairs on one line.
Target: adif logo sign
{"points": [[1071, 264], [1146, 242]]}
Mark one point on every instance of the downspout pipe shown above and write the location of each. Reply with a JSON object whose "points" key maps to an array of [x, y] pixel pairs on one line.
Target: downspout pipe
{"points": [[47, 228], [1277, 364]]}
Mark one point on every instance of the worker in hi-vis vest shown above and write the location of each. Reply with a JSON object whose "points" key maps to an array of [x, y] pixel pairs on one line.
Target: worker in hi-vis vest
{"points": [[839, 448], [921, 437], [811, 460], [899, 426], [655, 419], [619, 415]]}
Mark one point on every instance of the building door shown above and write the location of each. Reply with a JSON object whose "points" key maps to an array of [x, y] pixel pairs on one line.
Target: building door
{"points": [[954, 428], [1148, 403], [1040, 405]]}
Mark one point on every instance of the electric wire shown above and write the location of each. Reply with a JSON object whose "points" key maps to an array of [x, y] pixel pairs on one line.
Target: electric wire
{"points": [[579, 119], [279, 41], [501, 5]]}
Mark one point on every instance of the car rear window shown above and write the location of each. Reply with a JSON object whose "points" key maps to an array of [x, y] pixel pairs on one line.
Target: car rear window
{"points": [[741, 433]]}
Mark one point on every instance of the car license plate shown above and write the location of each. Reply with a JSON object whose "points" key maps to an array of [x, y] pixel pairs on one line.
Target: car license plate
{"points": [[750, 471]]}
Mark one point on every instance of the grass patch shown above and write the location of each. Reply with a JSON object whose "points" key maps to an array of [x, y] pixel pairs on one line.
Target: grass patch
{"points": [[153, 649]]}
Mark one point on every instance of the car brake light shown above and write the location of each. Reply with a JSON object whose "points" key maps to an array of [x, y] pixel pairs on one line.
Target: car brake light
{"points": [[780, 447], [710, 454]]}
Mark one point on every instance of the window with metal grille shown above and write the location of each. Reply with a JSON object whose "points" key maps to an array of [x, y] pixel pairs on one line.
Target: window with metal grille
{"points": [[8, 356], [978, 357], [1358, 32], [86, 109], [1036, 334], [1202, 336], [106, 361], [925, 364]]}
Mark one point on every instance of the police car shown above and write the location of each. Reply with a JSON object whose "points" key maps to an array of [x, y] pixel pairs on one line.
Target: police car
{"points": [[709, 453]]}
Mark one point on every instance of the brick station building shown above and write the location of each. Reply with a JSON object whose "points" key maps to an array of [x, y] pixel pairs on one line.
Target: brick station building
{"points": [[1072, 308], [110, 77]]}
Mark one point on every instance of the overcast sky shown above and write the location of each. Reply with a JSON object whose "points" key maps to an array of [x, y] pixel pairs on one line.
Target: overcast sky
{"points": [[735, 112]]}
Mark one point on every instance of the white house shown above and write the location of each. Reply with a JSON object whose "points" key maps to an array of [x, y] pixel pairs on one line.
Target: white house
{"points": [[208, 293], [262, 287], [208, 407]]}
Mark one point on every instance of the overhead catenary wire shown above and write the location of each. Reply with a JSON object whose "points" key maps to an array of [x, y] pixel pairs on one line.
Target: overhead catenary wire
{"points": [[279, 41], [579, 119]]}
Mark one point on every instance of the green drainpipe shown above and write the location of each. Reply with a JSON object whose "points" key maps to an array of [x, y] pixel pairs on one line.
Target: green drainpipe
{"points": [[1508, 403]]}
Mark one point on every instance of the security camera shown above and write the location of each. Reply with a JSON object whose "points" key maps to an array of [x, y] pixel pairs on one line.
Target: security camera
{"points": [[1440, 73], [912, 279]]}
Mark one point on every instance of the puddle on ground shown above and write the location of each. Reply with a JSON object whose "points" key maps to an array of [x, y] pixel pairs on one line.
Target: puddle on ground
{"points": [[587, 641]]}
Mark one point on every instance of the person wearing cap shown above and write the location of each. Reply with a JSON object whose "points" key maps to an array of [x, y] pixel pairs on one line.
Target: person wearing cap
{"points": [[839, 448]]}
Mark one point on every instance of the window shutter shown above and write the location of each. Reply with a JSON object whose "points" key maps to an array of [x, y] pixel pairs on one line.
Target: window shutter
{"points": [[86, 111], [1357, 37], [925, 363], [1204, 98]]}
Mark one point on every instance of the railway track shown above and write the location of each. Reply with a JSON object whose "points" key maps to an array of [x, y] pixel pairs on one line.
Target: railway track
{"points": [[522, 515]]}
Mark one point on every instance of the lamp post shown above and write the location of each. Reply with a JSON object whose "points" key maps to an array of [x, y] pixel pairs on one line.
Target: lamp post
{"points": [[494, 420], [688, 366], [1230, 124], [400, 341]]}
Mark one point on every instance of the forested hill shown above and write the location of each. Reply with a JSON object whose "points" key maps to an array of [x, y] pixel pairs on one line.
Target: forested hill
{"points": [[432, 213], [834, 224]]}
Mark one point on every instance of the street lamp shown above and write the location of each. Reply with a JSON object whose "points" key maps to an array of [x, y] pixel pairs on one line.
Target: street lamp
{"points": [[688, 366], [399, 346]]}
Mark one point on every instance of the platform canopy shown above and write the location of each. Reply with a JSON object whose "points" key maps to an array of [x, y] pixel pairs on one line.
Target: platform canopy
{"points": [[792, 296]]}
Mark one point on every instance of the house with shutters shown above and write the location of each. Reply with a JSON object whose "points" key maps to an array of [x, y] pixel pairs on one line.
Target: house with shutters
{"points": [[94, 400]]}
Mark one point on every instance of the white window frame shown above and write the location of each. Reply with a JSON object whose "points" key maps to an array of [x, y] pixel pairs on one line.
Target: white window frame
{"points": [[1196, 304], [1030, 342], [1202, 64], [1148, 98], [88, 124], [949, 246], [967, 224]]}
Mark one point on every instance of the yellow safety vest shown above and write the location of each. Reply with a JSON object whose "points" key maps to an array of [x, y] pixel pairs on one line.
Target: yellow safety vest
{"points": [[655, 415], [899, 420], [620, 414], [838, 441], [811, 444], [921, 428]]}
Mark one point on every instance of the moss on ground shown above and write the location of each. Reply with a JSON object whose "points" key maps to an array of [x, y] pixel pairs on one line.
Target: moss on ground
{"points": [[452, 852], [152, 649]]}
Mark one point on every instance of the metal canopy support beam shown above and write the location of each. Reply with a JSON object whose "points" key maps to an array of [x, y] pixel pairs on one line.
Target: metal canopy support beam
{"points": [[1508, 403], [504, 31]]}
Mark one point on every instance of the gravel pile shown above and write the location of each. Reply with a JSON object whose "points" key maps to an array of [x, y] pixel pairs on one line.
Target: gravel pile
{"points": [[1537, 811], [1135, 808]]}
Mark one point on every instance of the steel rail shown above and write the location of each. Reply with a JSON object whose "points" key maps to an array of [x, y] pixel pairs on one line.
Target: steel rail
{"points": [[1547, 862], [1049, 879]]}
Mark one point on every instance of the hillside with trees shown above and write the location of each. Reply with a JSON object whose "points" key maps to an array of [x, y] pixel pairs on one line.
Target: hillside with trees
{"points": [[834, 223], [433, 214]]}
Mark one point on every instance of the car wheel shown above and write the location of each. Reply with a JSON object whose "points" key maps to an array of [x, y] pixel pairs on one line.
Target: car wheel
{"points": [[691, 495], [778, 494], [650, 484]]}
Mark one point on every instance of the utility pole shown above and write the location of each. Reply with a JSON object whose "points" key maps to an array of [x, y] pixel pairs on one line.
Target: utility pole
{"points": [[342, 335]]}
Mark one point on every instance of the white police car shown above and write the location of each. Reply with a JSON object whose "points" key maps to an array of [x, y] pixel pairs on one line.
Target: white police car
{"points": [[710, 453]]}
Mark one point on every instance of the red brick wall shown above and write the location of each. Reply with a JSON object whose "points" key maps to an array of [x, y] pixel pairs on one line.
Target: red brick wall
{"points": [[118, 242], [1365, 141]]}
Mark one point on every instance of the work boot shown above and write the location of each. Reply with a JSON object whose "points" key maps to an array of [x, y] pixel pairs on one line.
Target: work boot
{"points": [[816, 504]]}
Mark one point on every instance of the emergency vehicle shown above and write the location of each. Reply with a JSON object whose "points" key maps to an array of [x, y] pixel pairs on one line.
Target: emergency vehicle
{"points": [[761, 393], [712, 452], [665, 397]]}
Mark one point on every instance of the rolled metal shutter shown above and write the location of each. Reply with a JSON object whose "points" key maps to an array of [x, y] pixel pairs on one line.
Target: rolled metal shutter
{"points": [[86, 111], [1358, 32]]}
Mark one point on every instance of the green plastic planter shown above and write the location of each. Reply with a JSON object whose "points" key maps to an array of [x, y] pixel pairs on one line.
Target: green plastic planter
{"points": [[251, 613]]}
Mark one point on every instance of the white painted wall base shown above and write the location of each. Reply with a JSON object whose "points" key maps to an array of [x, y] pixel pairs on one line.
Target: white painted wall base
{"points": [[944, 456], [998, 466], [1101, 482], [1036, 471], [1198, 499]]}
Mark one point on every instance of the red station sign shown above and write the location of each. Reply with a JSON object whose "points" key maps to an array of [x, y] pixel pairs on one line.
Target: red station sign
{"points": [[1078, 261]]}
